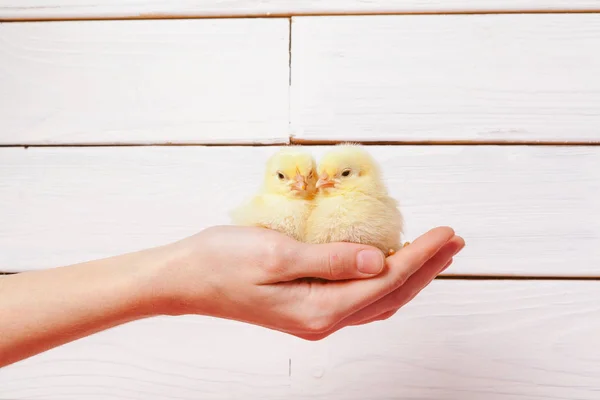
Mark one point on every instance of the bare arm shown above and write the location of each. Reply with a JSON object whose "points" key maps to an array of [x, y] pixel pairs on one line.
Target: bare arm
{"points": [[40, 310]]}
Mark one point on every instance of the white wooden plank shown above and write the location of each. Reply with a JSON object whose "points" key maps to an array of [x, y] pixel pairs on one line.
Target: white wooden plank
{"points": [[176, 81], [516, 77], [46, 9], [522, 210], [493, 340], [160, 358], [465, 340]]}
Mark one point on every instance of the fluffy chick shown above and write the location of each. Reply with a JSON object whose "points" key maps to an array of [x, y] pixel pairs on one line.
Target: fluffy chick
{"points": [[284, 201], [352, 203]]}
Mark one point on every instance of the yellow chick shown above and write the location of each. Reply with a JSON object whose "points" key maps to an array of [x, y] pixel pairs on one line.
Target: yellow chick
{"points": [[352, 203], [285, 199]]}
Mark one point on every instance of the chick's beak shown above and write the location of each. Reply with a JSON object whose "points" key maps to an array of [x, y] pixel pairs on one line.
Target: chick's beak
{"points": [[299, 183], [324, 182]]}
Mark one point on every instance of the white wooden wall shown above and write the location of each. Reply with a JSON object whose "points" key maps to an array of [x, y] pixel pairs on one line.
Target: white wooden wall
{"points": [[485, 116]]}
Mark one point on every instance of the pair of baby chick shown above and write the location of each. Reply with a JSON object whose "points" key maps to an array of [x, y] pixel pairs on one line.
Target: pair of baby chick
{"points": [[343, 199]]}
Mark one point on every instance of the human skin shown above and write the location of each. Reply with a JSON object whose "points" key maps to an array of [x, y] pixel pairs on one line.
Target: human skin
{"points": [[252, 275]]}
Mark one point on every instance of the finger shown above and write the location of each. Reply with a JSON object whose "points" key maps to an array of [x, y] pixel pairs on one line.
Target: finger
{"points": [[357, 294], [422, 249], [380, 317], [363, 318], [319, 336], [387, 314], [448, 264], [412, 287], [332, 302], [388, 306], [333, 261]]}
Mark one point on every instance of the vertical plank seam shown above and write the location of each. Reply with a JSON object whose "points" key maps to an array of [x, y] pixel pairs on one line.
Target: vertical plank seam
{"points": [[290, 51], [289, 132]]}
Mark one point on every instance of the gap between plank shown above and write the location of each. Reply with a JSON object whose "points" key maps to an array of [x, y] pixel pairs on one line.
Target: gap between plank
{"points": [[289, 65], [325, 143], [309, 142], [26, 146], [462, 277], [155, 16], [289, 88]]}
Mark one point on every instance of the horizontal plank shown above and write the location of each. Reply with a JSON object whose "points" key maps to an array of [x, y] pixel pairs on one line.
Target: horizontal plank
{"points": [[458, 339], [522, 210], [160, 358], [169, 81], [479, 78], [465, 340], [45, 9]]}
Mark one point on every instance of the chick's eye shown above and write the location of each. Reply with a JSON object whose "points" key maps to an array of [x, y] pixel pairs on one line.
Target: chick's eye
{"points": [[280, 175], [346, 172], [310, 174]]}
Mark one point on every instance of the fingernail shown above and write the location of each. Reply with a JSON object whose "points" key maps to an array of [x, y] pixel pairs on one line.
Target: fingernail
{"points": [[370, 261]]}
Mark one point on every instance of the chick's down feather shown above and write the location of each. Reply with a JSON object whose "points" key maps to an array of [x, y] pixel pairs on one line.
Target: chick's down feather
{"points": [[352, 203], [284, 201]]}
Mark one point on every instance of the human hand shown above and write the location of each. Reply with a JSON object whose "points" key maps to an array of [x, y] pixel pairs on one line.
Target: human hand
{"points": [[426, 265], [255, 275]]}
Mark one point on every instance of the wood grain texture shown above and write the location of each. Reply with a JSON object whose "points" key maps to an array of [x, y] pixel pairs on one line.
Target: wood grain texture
{"points": [[522, 210], [170, 81], [160, 358], [53, 9], [465, 340], [447, 78], [456, 340]]}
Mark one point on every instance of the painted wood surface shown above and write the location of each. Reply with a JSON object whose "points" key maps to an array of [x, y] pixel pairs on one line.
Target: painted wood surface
{"points": [[522, 210], [492, 78], [169, 81], [496, 340], [53, 9]]}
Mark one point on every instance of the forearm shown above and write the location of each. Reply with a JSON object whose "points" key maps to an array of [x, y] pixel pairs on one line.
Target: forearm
{"points": [[40, 310]]}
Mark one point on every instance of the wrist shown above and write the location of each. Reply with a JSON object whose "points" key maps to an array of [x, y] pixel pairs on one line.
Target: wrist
{"points": [[147, 275], [132, 284], [171, 286]]}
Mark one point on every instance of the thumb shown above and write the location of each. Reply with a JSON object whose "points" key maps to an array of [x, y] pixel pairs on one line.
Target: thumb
{"points": [[335, 261]]}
